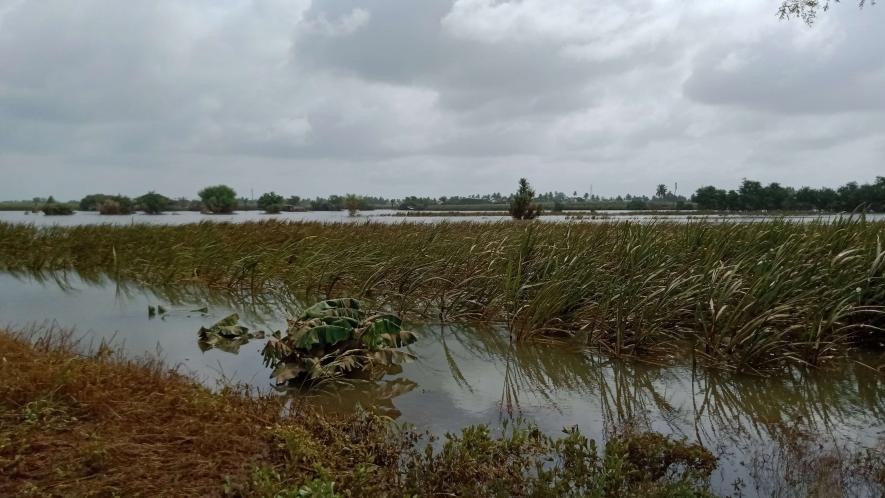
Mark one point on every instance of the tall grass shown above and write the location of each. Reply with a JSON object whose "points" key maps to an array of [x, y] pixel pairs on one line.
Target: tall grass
{"points": [[749, 296]]}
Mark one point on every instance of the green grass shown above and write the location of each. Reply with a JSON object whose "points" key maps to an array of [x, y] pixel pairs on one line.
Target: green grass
{"points": [[745, 296], [30, 205]]}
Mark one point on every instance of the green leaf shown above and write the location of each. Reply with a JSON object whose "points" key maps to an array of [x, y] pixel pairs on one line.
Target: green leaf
{"points": [[322, 335], [231, 319], [333, 307], [341, 321], [225, 335], [334, 338], [386, 331]]}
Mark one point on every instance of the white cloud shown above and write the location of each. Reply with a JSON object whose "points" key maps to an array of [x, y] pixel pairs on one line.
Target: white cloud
{"points": [[348, 24], [435, 97]]}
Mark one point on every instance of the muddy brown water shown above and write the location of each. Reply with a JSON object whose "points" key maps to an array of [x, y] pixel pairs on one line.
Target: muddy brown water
{"points": [[467, 375]]}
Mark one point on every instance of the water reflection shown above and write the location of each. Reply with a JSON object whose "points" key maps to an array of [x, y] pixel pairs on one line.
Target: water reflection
{"points": [[392, 216], [375, 396], [257, 309], [475, 375], [838, 403], [479, 367]]}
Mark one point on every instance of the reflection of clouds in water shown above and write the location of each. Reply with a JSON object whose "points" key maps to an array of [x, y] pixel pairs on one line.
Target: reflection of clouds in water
{"points": [[385, 216], [109, 312], [732, 415]]}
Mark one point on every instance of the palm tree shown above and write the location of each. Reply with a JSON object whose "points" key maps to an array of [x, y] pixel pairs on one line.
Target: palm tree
{"points": [[661, 191]]}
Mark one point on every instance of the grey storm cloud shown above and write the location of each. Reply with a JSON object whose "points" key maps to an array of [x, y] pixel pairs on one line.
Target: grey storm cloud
{"points": [[435, 97]]}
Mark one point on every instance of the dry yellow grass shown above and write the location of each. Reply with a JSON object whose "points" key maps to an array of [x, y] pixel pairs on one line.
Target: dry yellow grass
{"points": [[101, 425], [76, 426]]}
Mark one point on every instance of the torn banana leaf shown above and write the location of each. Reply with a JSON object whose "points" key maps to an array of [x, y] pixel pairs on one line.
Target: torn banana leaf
{"points": [[284, 372], [333, 308], [225, 335], [334, 339]]}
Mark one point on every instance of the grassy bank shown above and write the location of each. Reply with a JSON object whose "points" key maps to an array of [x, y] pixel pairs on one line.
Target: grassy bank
{"points": [[100, 425], [746, 296]]}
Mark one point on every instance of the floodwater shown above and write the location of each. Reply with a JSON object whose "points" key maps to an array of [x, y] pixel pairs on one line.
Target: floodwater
{"points": [[383, 216], [466, 375]]}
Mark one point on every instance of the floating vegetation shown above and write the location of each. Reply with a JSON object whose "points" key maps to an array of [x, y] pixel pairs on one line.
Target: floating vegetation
{"points": [[156, 310], [744, 296], [226, 335], [337, 338], [56, 209]]}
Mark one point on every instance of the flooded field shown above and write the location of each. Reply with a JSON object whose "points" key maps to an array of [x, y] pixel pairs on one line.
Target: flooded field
{"points": [[470, 375], [388, 216]]}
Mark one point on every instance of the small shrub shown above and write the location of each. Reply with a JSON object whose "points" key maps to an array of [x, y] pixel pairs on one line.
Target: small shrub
{"points": [[116, 205], [153, 203], [53, 208], [637, 205], [110, 206], [353, 203]]}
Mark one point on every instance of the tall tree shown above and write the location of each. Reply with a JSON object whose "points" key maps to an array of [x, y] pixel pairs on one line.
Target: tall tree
{"points": [[522, 206], [661, 191], [271, 202], [709, 198], [219, 199]]}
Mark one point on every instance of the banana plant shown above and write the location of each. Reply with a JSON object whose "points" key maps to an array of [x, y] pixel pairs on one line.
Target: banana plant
{"points": [[226, 335], [337, 338]]}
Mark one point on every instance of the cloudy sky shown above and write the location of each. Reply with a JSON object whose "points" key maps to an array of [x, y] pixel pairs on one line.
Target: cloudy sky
{"points": [[439, 97]]}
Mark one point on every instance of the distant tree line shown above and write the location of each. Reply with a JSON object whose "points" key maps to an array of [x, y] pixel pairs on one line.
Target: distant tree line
{"points": [[753, 196], [223, 199], [150, 203]]}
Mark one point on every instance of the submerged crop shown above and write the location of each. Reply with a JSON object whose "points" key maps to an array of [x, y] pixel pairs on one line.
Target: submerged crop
{"points": [[336, 338], [747, 296]]}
